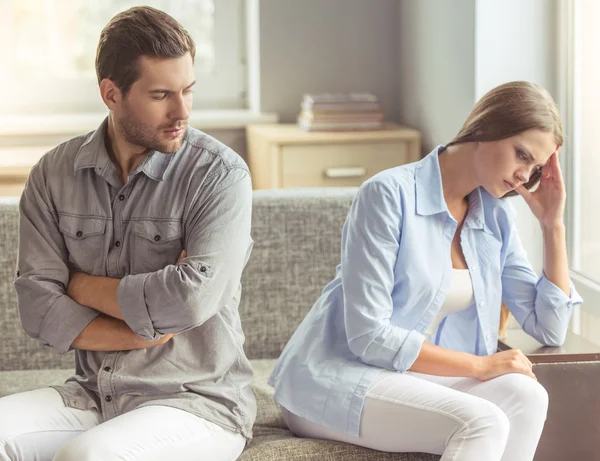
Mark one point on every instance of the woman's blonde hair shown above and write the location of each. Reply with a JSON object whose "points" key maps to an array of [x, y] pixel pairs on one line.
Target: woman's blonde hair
{"points": [[508, 110]]}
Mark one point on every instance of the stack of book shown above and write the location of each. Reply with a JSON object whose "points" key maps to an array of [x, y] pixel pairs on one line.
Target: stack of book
{"points": [[341, 112]]}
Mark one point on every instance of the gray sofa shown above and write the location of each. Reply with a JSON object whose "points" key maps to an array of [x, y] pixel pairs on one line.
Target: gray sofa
{"points": [[297, 246]]}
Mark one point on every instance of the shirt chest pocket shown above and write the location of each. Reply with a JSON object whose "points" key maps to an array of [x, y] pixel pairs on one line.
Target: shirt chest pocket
{"points": [[155, 245], [85, 240]]}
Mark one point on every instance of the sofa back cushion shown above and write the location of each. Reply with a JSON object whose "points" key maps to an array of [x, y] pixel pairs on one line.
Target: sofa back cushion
{"points": [[297, 235]]}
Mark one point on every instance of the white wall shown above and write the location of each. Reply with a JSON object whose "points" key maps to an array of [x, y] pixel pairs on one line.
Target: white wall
{"points": [[515, 40], [451, 53]]}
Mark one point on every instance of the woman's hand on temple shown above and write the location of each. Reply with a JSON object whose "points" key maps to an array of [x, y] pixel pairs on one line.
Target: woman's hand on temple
{"points": [[547, 202]]}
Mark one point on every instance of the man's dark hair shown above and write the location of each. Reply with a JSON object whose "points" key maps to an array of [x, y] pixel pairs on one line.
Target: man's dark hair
{"points": [[138, 31]]}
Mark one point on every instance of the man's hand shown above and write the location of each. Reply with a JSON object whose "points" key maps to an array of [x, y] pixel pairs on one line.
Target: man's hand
{"points": [[159, 342], [182, 256]]}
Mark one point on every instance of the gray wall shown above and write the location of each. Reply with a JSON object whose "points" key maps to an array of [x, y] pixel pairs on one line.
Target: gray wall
{"points": [[437, 66], [326, 46], [315, 46]]}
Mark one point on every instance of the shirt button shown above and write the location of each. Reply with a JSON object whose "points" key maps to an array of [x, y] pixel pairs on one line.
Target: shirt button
{"points": [[474, 268], [481, 304], [117, 243], [203, 269], [121, 197], [108, 398], [79, 233], [107, 369], [156, 238]]}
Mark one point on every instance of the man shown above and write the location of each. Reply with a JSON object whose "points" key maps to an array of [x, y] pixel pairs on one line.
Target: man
{"points": [[133, 239]]}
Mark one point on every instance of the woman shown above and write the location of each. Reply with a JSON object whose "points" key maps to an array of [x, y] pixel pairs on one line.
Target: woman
{"points": [[399, 352]]}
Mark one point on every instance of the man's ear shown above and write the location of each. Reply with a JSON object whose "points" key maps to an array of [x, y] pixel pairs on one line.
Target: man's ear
{"points": [[110, 93]]}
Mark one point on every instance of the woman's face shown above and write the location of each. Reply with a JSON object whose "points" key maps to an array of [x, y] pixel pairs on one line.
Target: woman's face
{"points": [[503, 165]]}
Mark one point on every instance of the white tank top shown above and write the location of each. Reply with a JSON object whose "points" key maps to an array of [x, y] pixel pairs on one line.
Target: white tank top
{"points": [[458, 299]]}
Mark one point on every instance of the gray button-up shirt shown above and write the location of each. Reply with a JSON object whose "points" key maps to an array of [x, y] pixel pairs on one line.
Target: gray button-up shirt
{"points": [[76, 214]]}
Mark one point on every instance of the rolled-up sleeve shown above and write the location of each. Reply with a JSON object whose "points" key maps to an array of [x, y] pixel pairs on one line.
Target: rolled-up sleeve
{"points": [[369, 252], [542, 309], [47, 313], [218, 243]]}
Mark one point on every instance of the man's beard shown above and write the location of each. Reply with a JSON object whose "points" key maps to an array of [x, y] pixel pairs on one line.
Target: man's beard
{"points": [[138, 133]]}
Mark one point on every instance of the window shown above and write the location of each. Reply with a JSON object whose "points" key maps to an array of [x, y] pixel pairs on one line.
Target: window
{"points": [[580, 99], [48, 47]]}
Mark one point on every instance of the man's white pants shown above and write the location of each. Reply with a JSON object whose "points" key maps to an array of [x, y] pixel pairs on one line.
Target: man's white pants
{"points": [[37, 426]]}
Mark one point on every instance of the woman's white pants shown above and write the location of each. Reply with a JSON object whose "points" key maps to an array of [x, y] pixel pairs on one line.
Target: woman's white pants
{"points": [[461, 419]]}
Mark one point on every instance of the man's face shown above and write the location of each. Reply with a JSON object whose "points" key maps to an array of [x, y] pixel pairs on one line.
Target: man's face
{"points": [[154, 113]]}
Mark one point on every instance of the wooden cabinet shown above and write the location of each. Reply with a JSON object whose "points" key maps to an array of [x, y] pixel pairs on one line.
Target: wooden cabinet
{"points": [[283, 156]]}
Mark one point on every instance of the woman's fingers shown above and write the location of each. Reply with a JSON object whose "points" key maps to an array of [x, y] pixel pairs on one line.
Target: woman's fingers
{"points": [[555, 166], [523, 365], [528, 366], [531, 375], [524, 192]]}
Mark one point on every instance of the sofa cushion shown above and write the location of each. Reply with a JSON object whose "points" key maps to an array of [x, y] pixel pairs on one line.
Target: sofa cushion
{"points": [[13, 382], [274, 444]]}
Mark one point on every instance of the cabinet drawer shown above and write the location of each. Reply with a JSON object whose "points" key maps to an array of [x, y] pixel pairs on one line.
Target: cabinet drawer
{"points": [[338, 165]]}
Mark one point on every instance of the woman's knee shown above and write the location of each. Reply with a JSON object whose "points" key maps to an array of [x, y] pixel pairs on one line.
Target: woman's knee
{"points": [[533, 393], [528, 393]]}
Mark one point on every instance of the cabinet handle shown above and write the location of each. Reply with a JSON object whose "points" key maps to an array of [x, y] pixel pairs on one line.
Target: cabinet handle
{"points": [[345, 172]]}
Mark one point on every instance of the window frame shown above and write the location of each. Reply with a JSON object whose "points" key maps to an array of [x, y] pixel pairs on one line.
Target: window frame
{"points": [[569, 38], [224, 88]]}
